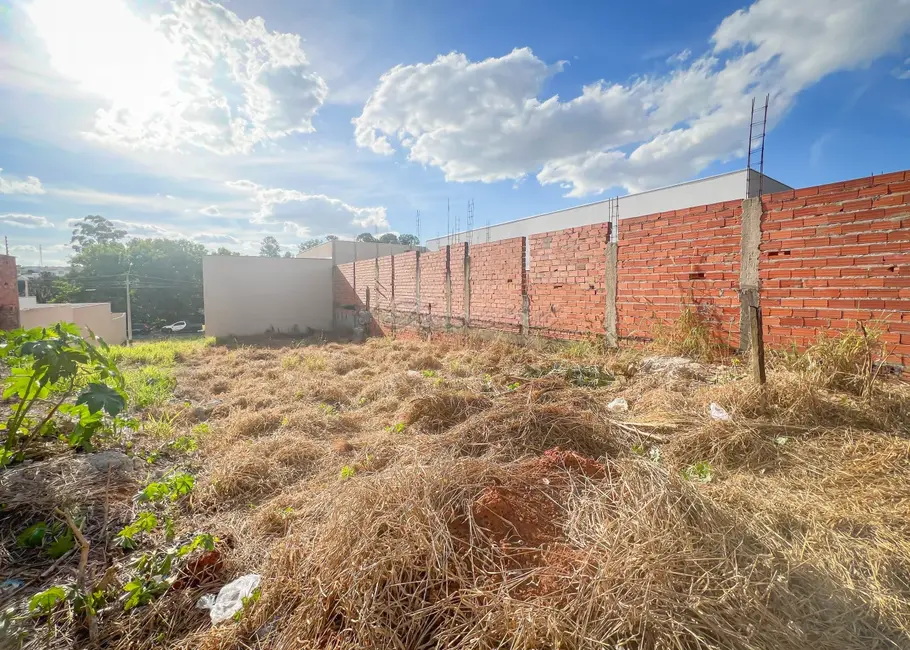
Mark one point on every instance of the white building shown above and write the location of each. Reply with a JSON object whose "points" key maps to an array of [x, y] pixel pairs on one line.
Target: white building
{"points": [[703, 191]]}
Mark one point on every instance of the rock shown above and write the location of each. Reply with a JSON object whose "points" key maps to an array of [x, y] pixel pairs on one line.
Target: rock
{"points": [[111, 460], [619, 405], [673, 367]]}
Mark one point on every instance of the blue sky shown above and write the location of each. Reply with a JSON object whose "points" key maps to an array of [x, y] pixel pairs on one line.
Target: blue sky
{"points": [[228, 122]]}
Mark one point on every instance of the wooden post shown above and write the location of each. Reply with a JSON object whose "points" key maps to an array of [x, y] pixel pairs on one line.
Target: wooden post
{"points": [[757, 345]]}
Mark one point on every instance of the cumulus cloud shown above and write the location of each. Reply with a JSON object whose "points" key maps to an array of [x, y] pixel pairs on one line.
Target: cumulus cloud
{"points": [[145, 230], [216, 239], [484, 120], [25, 221], [310, 215], [194, 76], [31, 185]]}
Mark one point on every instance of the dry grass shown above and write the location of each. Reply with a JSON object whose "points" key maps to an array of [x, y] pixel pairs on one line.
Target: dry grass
{"points": [[403, 494]]}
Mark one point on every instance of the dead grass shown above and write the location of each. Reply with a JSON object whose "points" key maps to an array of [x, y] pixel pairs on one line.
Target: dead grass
{"points": [[404, 494]]}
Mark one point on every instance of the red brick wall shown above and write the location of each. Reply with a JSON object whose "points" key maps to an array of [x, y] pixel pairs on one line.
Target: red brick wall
{"points": [[672, 260], [9, 293], [836, 254], [343, 285], [566, 281], [496, 284], [382, 290], [366, 277], [433, 286], [406, 282], [456, 264]]}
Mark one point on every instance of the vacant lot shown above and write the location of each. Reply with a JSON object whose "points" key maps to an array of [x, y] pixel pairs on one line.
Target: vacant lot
{"points": [[404, 494]]}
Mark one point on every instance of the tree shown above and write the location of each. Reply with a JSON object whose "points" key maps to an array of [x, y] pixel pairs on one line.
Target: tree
{"points": [[287, 255], [388, 238], [309, 243], [366, 237], [270, 247], [408, 240], [95, 229], [165, 278], [226, 252], [331, 237]]}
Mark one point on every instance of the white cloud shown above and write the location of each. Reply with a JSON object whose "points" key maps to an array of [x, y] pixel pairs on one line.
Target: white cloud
{"points": [[679, 57], [211, 211], [216, 239], [195, 76], [25, 221], [905, 72], [484, 121], [310, 215], [143, 230], [31, 185]]}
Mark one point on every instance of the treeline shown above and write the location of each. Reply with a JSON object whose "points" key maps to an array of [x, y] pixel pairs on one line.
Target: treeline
{"points": [[165, 274]]}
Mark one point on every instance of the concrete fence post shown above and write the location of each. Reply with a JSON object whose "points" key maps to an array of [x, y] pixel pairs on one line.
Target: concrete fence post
{"points": [[611, 335], [417, 290], [749, 283], [525, 298], [467, 286], [448, 288]]}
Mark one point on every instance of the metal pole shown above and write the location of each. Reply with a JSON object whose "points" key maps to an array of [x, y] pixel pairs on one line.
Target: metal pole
{"points": [[129, 313]]}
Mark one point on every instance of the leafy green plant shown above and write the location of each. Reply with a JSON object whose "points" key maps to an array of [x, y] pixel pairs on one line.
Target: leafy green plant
{"points": [[328, 409], [184, 444], [429, 373], [201, 429], [145, 522], [203, 541], [347, 472], [700, 471], [247, 602], [56, 539], [515, 385], [44, 602], [51, 366], [398, 427], [172, 488]]}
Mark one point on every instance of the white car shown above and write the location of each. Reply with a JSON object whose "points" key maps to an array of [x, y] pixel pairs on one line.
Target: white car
{"points": [[179, 326]]}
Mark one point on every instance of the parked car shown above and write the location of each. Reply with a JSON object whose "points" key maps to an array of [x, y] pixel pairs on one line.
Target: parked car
{"points": [[173, 328], [141, 329], [182, 327]]}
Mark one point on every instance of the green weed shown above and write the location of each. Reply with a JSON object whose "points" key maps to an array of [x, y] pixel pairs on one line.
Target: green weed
{"points": [[160, 353], [347, 472], [150, 385], [700, 471]]}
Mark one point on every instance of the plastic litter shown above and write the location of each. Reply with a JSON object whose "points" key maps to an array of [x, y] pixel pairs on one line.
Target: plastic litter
{"points": [[718, 413], [230, 599], [619, 405]]}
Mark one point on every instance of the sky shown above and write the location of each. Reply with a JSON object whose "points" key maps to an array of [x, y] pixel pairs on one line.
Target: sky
{"points": [[225, 123]]}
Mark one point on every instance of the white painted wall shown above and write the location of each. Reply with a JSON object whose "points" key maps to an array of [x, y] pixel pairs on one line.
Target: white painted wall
{"points": [[725, 187], [27, 301], [96, 317], [249, 295], [350, 251]]}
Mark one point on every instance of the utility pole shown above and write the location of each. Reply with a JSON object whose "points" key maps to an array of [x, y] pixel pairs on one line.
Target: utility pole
{"points": [[6, 241], [40, 256], [129, 313]]}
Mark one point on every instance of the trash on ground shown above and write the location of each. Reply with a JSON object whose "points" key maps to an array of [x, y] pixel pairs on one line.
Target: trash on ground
{"points": [[230, 599], [718, 413], [619, 405]]}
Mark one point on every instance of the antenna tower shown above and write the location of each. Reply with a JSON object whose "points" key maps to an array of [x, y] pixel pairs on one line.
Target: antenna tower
{"points": [[757, 145], [418, 226]]}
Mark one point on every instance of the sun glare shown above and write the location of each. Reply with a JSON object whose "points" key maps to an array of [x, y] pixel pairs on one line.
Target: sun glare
{"points": [[108, 50]]}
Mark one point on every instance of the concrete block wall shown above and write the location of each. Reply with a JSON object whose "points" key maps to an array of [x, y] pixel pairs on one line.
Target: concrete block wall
{"points": [[566, 281], [817, 260], [674, 260], [497, 287]]}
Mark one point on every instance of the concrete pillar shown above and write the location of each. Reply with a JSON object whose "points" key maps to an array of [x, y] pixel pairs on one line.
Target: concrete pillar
{"points": [[448, 288], [611, 336], [525, 298], [417, 290], [749, 283], [467, 286]]}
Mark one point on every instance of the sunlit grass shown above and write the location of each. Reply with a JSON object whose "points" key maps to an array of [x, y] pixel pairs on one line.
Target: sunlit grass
{"points": [[165, 352], [150, 385]]}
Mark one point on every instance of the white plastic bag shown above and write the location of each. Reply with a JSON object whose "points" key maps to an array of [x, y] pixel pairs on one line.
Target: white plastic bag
{"points": [[620, 405], [230, 599], [718, 413]]}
